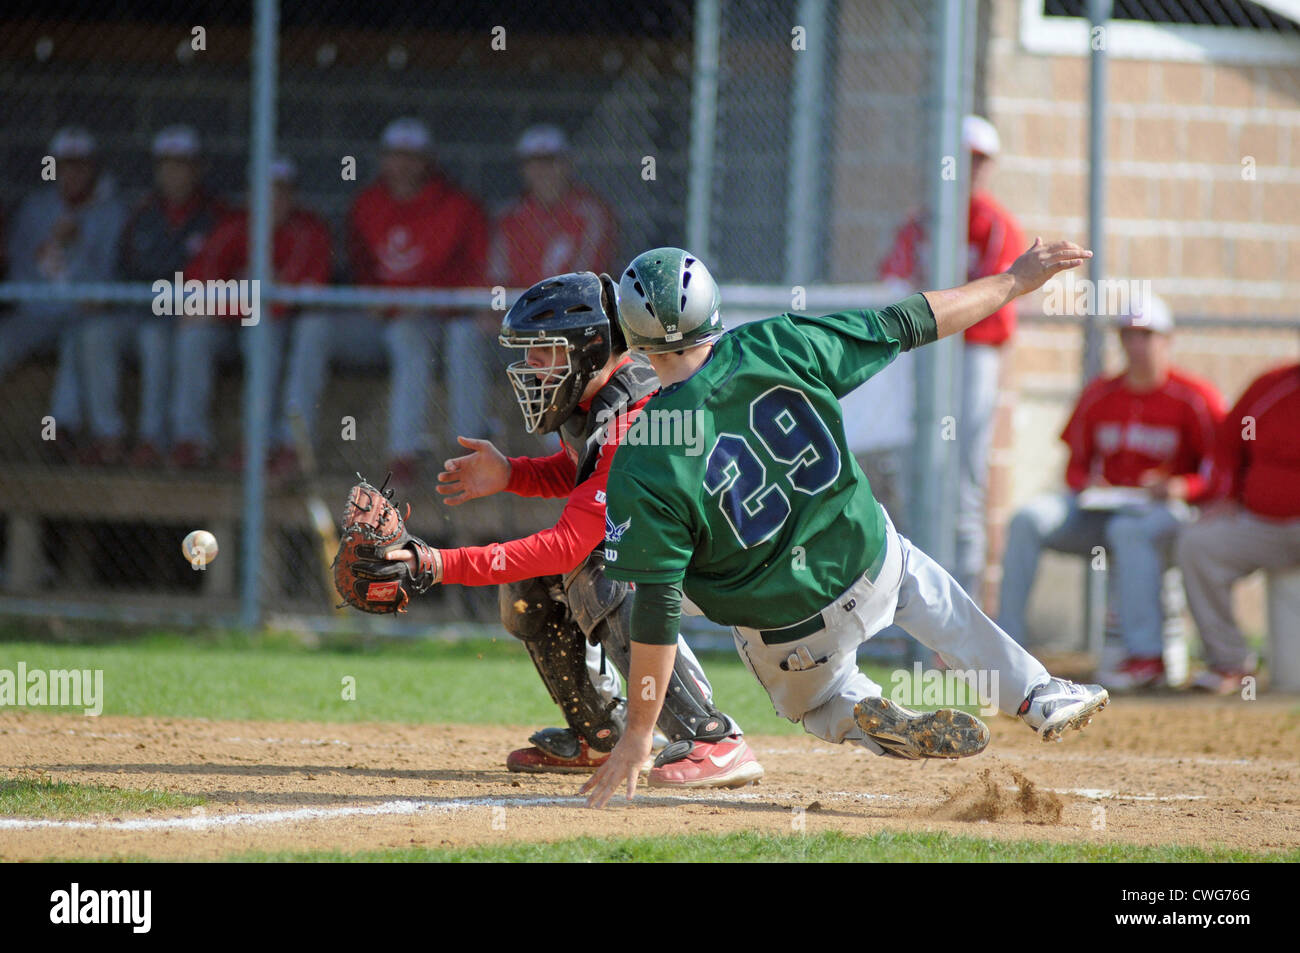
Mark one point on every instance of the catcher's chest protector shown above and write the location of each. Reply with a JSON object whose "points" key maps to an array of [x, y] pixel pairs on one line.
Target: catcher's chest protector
{"points": [[585, 432], [591, 596]]}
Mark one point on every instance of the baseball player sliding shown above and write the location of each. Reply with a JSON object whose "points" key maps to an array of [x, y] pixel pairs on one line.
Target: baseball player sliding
{"points": [[774, 530], [577, 380]]}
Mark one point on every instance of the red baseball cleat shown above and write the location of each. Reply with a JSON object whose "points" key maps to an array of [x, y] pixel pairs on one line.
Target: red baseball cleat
{"points": [[729, 763], [1135, 674], [536, 761], [556, 751]]}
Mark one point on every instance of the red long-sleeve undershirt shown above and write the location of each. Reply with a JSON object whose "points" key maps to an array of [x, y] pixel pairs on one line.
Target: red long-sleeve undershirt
{"points": [[556, 550]]}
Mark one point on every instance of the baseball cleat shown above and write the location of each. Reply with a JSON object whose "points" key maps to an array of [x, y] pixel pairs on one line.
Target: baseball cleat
{"points": [[1058, 705], [1218, 682], [556, 751], [1135, 674], [729, 763], [561, 751], [536, 761], [946, 733]]}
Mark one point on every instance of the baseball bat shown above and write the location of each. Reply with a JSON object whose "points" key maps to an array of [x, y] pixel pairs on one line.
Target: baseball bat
{"points": [[321, 519]]}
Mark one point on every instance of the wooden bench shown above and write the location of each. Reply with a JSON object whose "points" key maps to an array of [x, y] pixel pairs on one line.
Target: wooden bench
{"points": [[101, 521], [77, 498]]}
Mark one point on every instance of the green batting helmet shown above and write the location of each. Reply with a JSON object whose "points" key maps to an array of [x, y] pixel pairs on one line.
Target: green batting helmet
{"points": [[668, 301]]}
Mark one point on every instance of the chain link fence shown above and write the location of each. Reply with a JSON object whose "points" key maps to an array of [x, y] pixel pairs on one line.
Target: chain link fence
{"points": [[428, 146], [430, 160]]}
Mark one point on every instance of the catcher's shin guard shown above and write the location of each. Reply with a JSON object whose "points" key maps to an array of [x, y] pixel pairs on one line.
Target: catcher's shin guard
{"points": [[688, 713], [531, 613]]}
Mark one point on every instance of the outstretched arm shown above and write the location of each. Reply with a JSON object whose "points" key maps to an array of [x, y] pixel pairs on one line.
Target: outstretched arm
{"points": [[649, 671], [656, 610], [957, 309]]}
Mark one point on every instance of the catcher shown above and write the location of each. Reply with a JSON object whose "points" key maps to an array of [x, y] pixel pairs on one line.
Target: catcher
{"points": [[576, 380]]}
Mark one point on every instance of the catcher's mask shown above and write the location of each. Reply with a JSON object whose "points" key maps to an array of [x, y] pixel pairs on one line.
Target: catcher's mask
{"points": [[571, 316]]}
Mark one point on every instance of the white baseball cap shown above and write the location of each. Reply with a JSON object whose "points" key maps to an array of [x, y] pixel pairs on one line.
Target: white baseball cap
{"points": [[72, 142], [176, 142], [406, 135], [1149, 312], [542, 140], [978, 135]]}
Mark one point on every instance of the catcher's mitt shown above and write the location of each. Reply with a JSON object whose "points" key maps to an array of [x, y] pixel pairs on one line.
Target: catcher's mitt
{"points": [[372, 528]]}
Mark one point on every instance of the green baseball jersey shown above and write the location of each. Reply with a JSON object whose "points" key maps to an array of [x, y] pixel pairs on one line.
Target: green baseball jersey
{"points": [[741, 486]]}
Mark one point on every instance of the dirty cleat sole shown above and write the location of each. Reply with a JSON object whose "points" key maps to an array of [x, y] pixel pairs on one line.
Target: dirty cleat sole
{"points": [[1055, 727], [946, 733]]}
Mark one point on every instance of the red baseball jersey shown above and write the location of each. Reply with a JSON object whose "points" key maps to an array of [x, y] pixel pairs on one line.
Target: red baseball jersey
{"points": [[580, 529], [436, 239], [533, 241], [1123, 434], [300, 253], [993, 240], [1257, 457]]}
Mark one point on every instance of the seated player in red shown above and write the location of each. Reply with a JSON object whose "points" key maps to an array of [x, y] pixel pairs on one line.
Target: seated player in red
{"points": [[1252, 522]]}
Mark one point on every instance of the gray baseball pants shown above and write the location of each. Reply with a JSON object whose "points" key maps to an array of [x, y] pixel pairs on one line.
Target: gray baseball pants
{"points": [[1138, 541], [913, 591], [1214, 554]]}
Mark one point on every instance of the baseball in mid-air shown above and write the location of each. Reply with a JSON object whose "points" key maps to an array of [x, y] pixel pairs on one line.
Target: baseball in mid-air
{"points": [[200, 548]]}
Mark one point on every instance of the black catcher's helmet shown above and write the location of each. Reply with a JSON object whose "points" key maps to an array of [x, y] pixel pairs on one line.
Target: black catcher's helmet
{"points": [[577, 315]]}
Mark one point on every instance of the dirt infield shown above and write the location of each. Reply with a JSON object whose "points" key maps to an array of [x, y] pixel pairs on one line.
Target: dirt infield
{"points": [[1150, 771]]}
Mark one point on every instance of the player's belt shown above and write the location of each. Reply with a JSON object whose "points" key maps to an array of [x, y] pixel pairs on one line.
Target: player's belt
{"points": [[792, 633]]}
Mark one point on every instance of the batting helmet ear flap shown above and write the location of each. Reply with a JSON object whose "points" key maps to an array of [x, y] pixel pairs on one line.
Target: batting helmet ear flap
{"points": [[609, 302]]}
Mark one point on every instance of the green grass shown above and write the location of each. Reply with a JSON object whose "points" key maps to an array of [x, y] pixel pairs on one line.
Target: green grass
{"points": [[489, 681], [831, 846], [277, 678], [483, 682], [43, 797]]}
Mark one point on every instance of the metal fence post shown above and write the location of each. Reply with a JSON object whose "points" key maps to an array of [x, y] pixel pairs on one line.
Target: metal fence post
{"points": [[257, 404], [704, 122], [938, 366], [806, 129], [1094, 607]]}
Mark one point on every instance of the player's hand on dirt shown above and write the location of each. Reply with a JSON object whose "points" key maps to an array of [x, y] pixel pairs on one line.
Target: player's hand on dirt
{"points": [[1043, 260], [623, 767], [481, 473]]}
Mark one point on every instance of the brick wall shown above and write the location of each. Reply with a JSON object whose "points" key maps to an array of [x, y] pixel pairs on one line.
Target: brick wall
{"points": [[1179, 213]]}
